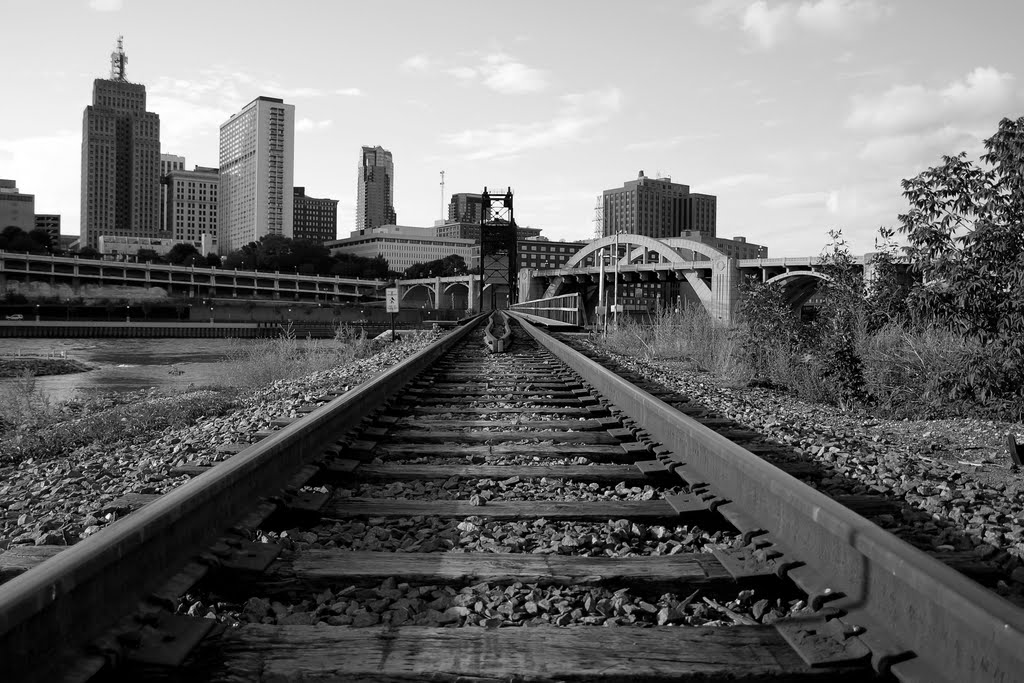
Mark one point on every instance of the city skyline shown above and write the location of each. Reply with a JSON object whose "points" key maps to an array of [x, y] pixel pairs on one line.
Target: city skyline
{"points": [[799, 116]]}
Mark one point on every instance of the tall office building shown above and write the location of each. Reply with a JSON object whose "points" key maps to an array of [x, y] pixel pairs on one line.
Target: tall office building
{"points": [[16, 209], [120, 159], [316, 219], [375, 196], [257, 153], [657, 207], [168, 163], [191, 209], [465, 207], [50, 222]]}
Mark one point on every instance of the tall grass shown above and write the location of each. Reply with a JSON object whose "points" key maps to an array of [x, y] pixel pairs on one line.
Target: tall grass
{"points": [[22, 403], [689, 334], [907, 373], [32, 427], [257, 363]]}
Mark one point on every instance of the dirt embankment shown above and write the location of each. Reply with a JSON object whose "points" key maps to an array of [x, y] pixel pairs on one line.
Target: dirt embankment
{"points": [[13, 367]]}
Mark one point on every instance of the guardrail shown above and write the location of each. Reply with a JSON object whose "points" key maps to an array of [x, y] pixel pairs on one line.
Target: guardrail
{"points": [[565, 308]]}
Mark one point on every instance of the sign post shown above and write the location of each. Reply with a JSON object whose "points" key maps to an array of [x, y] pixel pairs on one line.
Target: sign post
{"points": [[391, 298]]}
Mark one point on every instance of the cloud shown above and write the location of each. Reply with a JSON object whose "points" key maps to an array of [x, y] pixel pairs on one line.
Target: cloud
{"points": [[916, 124], [416, 63], [737, 180], [805, 200], [105, 5], [769, 24], [984, 93], [838, 16], [921, 149], [502, 73], [464, 73], [349, 92], [766, 23], [668, 143], [579, 113], [306, 124]]}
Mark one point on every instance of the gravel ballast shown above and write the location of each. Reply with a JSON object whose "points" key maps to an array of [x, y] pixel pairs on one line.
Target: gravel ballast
{"points": [[954, 476], [60, 500]]}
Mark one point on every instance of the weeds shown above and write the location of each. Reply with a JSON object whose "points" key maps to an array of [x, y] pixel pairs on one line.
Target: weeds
{"points": [[690, 334], [108, 420], [22, 403], [257, 363]]}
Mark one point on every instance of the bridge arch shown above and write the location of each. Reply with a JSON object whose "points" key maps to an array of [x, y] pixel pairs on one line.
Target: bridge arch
{"points": [[405, 291], [666, 249], [798, 286]]}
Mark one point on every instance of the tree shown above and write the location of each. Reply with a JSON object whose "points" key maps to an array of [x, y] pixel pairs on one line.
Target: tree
{"points": [[839, 322], [147, 256], [13, 238], [42, 238], [450, 265], [965, 229], [88, 252], [184, 254]]}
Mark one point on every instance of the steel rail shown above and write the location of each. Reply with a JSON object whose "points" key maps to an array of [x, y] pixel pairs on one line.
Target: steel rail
{"points": [[952, 628], [67, 601]]}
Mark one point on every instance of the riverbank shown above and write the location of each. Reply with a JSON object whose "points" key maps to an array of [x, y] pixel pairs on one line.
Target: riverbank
{"points": [[15, 367], [59, 482]]}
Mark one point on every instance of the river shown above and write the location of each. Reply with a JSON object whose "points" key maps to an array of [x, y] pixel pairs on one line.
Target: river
{"points": [[127, 364]]}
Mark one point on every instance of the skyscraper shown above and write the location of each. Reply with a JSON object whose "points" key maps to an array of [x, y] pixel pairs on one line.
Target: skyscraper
{"points": [[257, 153], [191, 209], [375, 197], [120, 159], [657, 207], [316, 219], [168, 163]]}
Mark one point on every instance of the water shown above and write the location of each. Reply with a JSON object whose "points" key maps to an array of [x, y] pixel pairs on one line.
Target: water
{"points": [[127, 364]]}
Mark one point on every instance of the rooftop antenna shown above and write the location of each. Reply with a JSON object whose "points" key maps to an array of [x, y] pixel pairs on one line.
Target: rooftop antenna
{"points": [[118, 62], [442, 196]]}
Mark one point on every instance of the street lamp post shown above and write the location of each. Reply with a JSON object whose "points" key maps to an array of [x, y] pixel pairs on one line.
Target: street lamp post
{"points": [[616, 304]]}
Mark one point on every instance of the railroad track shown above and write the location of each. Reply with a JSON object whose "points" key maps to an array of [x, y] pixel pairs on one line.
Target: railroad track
{"points": [[517, 516]]}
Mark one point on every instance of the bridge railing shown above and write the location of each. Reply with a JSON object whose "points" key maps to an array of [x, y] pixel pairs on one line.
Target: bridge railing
{"points": [[565, 308]]}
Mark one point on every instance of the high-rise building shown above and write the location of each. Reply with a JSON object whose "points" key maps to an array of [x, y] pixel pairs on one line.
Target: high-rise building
{"points": [[465, 208], [50, 222], [168, 163], [171, 162], [471, 231], [120, 159], [316, 220], [657, 207], [192, 199], [375, 195], [257, 153], [16, 209]]}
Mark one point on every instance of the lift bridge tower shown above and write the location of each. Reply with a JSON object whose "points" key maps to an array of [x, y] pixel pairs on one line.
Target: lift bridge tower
{"points": [[499, 255]]}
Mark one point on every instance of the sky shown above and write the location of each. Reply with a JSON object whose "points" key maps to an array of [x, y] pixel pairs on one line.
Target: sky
{"points": [[800, 116]]}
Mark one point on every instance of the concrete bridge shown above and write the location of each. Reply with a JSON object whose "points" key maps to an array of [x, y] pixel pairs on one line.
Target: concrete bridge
{"points": [[457, 292], [668, 268], [18, 269]]}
